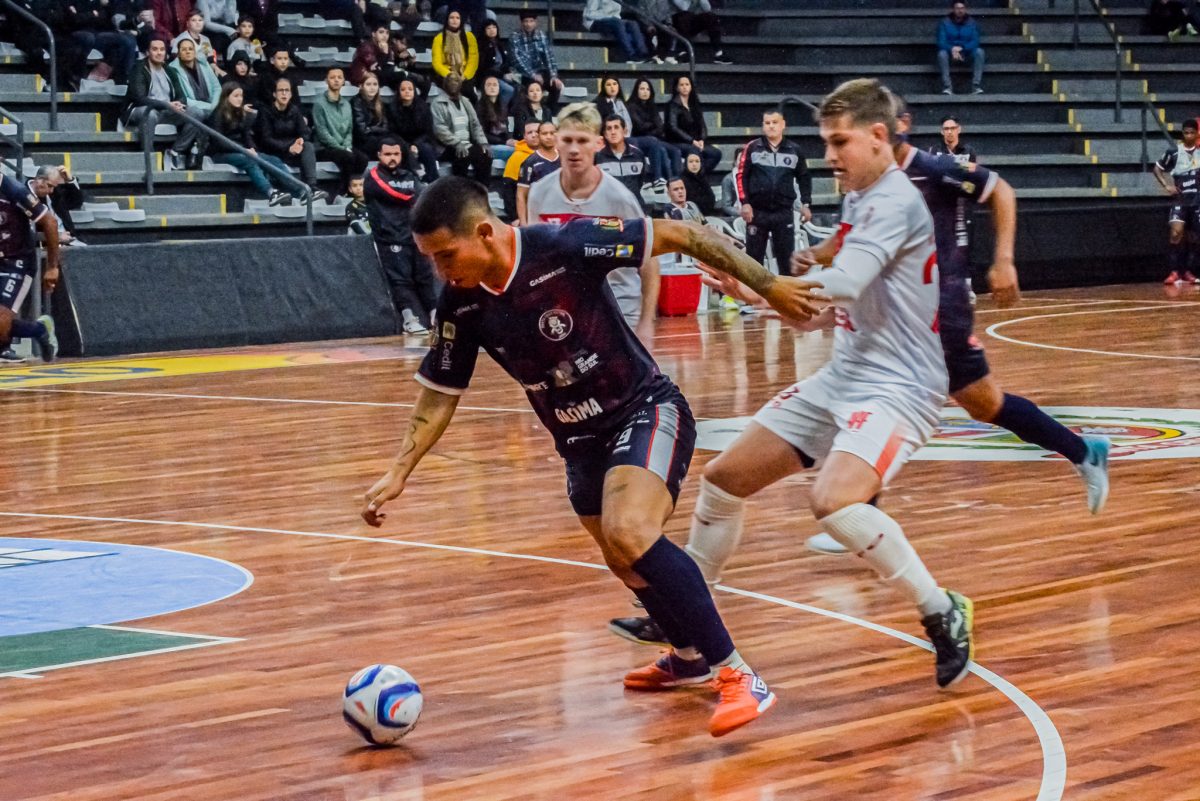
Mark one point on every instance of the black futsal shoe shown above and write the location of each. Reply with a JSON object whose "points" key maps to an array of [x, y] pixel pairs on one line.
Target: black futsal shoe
{"points": [[642, 630], [950, 633]]}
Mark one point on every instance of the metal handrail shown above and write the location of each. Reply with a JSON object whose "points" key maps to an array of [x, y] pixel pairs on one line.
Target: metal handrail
{"points": [[147, 132], [18, 143], [1151, 111], [1118, 51], [11, 6]]}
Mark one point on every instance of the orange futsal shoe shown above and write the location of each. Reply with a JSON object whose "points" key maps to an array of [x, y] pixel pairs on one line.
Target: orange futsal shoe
{"points": [[744, 696], [667, 673]]}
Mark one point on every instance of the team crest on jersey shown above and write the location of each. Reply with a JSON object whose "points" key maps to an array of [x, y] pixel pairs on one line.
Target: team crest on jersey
{"points": [[611, 223], [449, 330], [968, 187], [556, 325]]}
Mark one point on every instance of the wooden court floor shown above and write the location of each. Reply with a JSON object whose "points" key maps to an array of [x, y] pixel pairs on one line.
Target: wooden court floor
{"points": [[1088, 679]]}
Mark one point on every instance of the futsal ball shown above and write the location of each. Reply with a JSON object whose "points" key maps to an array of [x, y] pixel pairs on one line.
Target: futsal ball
{"points": [[382, 703]]}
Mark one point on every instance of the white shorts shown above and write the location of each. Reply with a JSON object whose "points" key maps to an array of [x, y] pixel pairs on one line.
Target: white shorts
{"points": [[862, 421]]}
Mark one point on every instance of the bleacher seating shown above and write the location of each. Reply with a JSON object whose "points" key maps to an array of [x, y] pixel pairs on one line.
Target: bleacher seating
{"points": [[1046, 121]]}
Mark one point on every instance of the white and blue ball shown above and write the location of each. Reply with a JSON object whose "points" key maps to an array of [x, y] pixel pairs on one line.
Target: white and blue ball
{"points": [[382, 703]]}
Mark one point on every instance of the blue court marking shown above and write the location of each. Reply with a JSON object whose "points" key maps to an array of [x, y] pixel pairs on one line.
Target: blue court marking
{"points": [[103, 582]]}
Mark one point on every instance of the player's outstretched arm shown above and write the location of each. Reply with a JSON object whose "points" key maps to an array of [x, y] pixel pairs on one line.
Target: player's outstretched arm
{"points": [[791, 297], [1002, 277], [431, 415]]}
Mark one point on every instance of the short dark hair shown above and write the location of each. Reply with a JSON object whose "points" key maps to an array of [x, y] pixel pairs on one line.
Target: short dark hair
{"points": [[950, 118], [451, 202], [1190, 125], [616, 117], [390, 140], [246, 18], [527, 14], [775, 110], [331, 69], [382, 26]]}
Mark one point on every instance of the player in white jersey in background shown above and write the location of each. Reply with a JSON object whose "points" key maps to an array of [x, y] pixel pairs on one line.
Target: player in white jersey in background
{"points": [[581, 189], [876, 402]]}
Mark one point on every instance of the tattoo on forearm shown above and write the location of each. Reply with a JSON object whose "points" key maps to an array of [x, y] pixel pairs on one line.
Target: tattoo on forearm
{"points": [[716, 252]]}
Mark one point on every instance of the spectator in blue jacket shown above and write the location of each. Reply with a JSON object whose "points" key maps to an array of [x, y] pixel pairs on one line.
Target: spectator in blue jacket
{"points": [[958, 43]]}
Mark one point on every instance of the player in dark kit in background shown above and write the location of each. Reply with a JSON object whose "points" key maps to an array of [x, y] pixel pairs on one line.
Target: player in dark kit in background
{"points": [[544, 161], [390, 190], [1182, 164], [19, 207], [766, 178], [536, 299]]}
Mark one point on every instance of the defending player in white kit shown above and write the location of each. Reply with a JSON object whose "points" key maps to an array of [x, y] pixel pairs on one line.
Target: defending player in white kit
{"points": [[864, 414], [580, 189]]}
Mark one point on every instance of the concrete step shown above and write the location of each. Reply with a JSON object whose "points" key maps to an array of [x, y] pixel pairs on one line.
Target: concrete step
{"points": [[1093, 87], [168, 204], [1084, 58], [83, 122], [19, 82], [1108, 148]]}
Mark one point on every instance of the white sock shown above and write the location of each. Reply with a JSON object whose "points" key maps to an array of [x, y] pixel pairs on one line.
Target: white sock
{"points": [[736, 662], [869, 533], [689, 654], [716, 530]]}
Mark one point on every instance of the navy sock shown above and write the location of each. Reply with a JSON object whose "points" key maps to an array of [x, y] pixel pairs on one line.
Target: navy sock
{"points": [[662, 615], [23, 329], [682, 592], [1175, 256], [1023, 417]]}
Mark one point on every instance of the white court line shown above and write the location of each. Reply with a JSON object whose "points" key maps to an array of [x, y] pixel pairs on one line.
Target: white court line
{"points": [[991, 331], [204, 642], [1054, 757]]}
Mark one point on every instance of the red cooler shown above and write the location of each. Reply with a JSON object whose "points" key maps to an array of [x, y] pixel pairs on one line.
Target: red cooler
{"points": [[679, 293]]}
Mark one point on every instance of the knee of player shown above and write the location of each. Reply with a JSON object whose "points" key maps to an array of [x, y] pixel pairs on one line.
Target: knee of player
{"points": [[1176, 236], [983, 409], [824, 501], [628, 535], [724, 475]]}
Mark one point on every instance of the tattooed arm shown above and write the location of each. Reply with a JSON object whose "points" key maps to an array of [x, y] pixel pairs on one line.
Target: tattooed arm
{"points": [[790, 297], [431, 415]]}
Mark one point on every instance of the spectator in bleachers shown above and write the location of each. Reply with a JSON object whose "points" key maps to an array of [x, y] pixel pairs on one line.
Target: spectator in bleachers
{"points": [[269, 74], [241, 73], [695, 17], [357, 217], [333, 124], [32, 41], [952, 145], [622, 160], [65, 196], [391, 190], [134, 18], [220, 21], [657, 14], [730, 205], [353, 11], [281, 131], [768, 175], [406, 63], [370, 119], [533, 57], [525, 148], [604, 17], [611, 100], [648, 133], [543, 161], [150, 79], [493, 61], [170, 16], [493, 116], [198, 88], [92, 27], [455, 52], [382, 56], [530, 107], [456, 127], [1165, 17], [958, 43], [265, 14], [246, 42], [474, 13], [695, 178], [412, 121], [685, 125], [681, 208], [232, 119], [204, 46]]}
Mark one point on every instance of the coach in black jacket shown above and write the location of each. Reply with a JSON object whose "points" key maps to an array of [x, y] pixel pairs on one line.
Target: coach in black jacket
{"points": [[766, 177]]}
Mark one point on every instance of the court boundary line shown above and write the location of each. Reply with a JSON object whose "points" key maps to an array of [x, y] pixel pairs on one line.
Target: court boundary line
{"points": [[204, 641], [992, 329], [1054, 758]]}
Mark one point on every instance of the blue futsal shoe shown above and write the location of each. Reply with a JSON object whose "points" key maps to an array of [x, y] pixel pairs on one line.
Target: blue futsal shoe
{"points": [[1094, 472]]}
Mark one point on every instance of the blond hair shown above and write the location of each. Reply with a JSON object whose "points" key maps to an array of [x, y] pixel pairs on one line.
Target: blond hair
{"points": [[583, 115], [865, 100]]}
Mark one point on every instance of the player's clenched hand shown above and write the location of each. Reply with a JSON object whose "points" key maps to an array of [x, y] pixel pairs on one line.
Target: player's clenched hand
{"points": [[803, 261], [1002, 278], [795, 298], [387, 488]]}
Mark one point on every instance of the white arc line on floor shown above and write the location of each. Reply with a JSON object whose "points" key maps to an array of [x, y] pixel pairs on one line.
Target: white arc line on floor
{"points": [[1054, 756], [991, 331]]}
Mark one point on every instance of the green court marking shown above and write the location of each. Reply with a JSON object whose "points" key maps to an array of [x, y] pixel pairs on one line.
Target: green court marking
{"points": [[28, 655]]}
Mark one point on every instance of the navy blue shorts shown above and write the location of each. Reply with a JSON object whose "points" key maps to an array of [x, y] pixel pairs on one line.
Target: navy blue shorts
{"points": [[16, 277], [659, 435], [965, 360]]}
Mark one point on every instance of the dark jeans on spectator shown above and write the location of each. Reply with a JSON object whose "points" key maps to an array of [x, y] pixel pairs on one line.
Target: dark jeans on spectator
{"points": [[627, 34], [427, 157], [119, 52], [409, 274], [974, 57], [690, 24], [306, 160], [477, 158], [347, 10], [350, 163], [665, 160], [188, 137], [710, 157], [260, 178]]}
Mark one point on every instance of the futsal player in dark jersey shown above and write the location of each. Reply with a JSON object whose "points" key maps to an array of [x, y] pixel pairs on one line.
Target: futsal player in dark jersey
{"points": [[1178, 173], [19, 207], [536, 299], [541, 162]]}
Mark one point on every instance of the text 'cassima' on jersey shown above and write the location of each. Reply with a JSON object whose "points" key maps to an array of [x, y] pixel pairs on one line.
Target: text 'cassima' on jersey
{"points": [[888, 336], [951, 189], [554, 327], [1184, 166], [19, 207]]}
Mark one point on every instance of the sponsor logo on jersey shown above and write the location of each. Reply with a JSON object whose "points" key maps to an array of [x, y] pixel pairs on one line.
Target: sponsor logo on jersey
{"points": [[599, 250], [449, 330], [610, 223], [578, 412], [465, 309], [540, 386], [968, 187], [624, 251], [584, 364], [447, 353], [556, 325], [547, 276]]}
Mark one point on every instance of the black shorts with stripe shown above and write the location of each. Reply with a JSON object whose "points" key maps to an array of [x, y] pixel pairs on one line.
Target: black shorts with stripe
{"points": [[659, 435], [16, 277]]}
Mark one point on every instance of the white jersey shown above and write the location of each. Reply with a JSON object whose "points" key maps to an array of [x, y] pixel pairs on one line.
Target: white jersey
{"points": [[548, 203], [888, 337]]}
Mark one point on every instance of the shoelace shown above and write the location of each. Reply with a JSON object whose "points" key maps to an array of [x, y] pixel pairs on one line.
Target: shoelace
{"points": [[729, 684]]}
